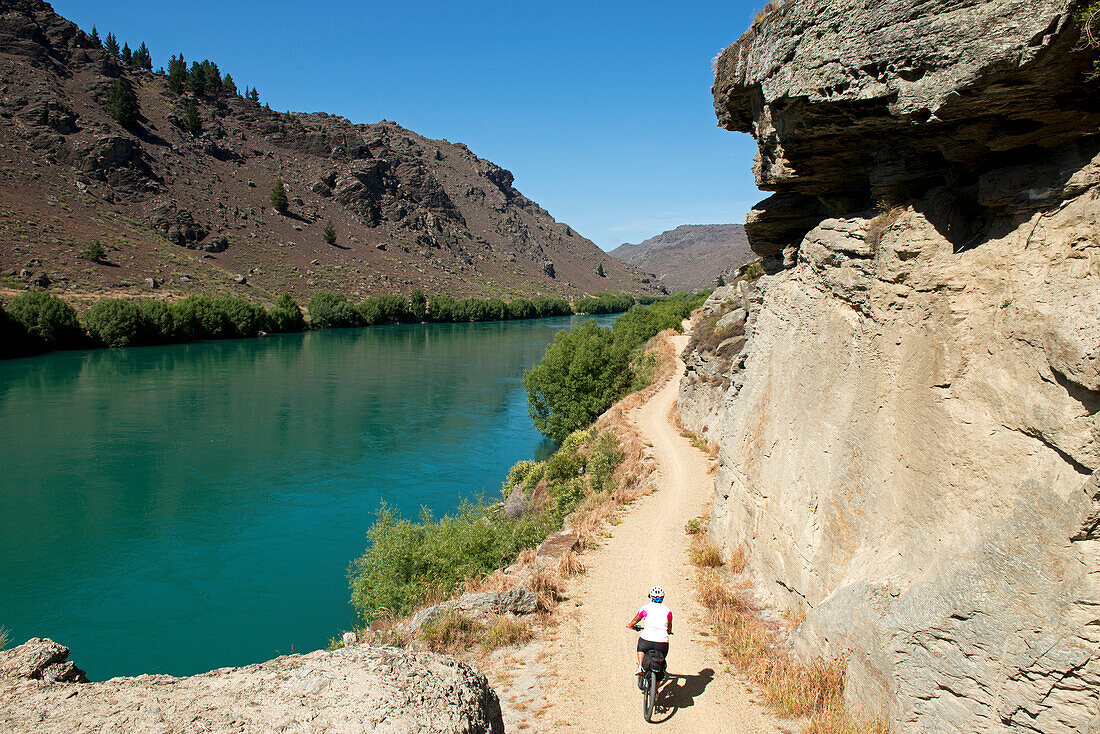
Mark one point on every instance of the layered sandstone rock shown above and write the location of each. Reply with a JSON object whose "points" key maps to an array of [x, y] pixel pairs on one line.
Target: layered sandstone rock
{"points": [[910, 443], [355, 689]]}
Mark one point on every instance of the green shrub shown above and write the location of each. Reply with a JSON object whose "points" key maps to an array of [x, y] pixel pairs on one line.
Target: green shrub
{"points": [[693, 526], [115, 322], [122, 103], [567, 495], [602, 461], [279, 202], [94, 253], [245, 319], [405, 560], [197, 318], [329, 233], [161, 325], [286, 316], [50, 323], [518, 474], [332, 311], [581, 374], [603, 303]]}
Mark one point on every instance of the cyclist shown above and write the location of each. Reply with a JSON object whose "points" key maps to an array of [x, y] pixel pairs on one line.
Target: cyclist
{"points": [[656, 621]]}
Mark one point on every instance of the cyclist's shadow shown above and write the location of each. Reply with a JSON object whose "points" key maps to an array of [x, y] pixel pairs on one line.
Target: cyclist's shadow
{"points": [[679, 692]]}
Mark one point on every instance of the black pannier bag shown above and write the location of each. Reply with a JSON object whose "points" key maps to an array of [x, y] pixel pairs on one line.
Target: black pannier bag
{"points": [[655, 660]]}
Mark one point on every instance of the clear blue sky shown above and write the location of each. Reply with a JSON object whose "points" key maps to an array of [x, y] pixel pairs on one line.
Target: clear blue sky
{"points": [[601, 110]]}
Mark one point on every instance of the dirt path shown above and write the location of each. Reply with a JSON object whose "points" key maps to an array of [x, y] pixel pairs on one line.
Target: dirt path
{"points": [[592, 687]]}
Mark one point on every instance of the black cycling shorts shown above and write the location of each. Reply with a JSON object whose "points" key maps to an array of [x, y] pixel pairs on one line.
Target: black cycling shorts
{"points": [[646, 646]]}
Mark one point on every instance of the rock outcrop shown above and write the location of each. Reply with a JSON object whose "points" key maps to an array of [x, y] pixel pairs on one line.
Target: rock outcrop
{"points": [[909, 441], [354, 689]]}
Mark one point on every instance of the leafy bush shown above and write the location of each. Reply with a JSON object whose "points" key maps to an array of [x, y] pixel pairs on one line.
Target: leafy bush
{"points": [[160, 321], [581, 374], [329, 233], [115, 322], [49, 322], [197, 317], [406, 560], [331, 311], [245, 319], [519, 473], [286, 316], [603, 303], [585, 370]]}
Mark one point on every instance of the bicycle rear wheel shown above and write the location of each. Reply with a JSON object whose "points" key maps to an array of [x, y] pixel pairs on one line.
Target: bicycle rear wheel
{"points": [[649, 695]]}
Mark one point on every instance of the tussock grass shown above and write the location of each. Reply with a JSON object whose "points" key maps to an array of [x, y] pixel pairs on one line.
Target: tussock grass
{"points": [[4, 636], [792, 688], [706, 555], [456, 632], [881, 224]]}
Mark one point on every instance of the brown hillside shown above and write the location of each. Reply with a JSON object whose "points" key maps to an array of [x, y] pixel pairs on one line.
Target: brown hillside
{"points": [[691, 256], [193, 211]]}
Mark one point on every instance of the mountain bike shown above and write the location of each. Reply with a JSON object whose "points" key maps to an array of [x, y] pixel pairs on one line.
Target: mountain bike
{"points": [[649, 681]]}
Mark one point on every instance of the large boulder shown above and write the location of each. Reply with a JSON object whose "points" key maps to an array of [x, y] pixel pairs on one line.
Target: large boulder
{"points": [[40, 659], [355, 689], [479, 605]]}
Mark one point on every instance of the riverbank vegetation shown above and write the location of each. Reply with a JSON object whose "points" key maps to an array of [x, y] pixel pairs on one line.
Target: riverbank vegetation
{"points": [[38, 321], [586, 369], [598, 468]]}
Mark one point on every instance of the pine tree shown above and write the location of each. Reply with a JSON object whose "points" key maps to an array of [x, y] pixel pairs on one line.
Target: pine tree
{"points": [[721, 280], [228, 86], [142, 59], [196, 79], [599, 271], [254, 96], [278, 197], [191, 120], [127, 56], [330, 233], [95, 37], [177, 74], [212, 78], [121, 103], [111, 45]]}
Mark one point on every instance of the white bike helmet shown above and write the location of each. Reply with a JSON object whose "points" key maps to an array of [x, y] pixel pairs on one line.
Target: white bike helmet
{"points": [[657, 594]]}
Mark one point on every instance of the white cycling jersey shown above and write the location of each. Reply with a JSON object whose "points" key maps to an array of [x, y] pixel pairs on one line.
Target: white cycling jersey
{"points": [[655, 620]]}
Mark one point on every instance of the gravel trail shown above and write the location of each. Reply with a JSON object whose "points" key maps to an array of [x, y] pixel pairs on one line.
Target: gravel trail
{"points": [[593, 687]]}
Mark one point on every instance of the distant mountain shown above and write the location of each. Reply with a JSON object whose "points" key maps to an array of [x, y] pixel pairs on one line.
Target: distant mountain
{"points": [[691, 256], [179, 197]]}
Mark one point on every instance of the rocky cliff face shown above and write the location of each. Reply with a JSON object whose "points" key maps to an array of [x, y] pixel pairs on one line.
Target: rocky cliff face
{"points": [[192, 211], [355, 689], [909, 436]]}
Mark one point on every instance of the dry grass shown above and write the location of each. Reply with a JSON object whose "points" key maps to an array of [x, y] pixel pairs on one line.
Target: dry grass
{"points": [[456, 632], [738, 560], [570, 565], [548, 586], [706, 555], [791, 688], [878, 226], [4, 636]]}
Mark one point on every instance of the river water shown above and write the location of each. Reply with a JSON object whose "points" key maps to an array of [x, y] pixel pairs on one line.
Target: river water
{"points": [[176, 509]]}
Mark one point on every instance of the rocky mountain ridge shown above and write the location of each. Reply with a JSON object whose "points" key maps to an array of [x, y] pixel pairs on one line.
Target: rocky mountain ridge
{"points": [[907, 408], [691, 256], [185, 212]]}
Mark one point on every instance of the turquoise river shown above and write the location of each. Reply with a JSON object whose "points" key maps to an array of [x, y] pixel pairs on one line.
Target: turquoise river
{"points": [[177, 509]]}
